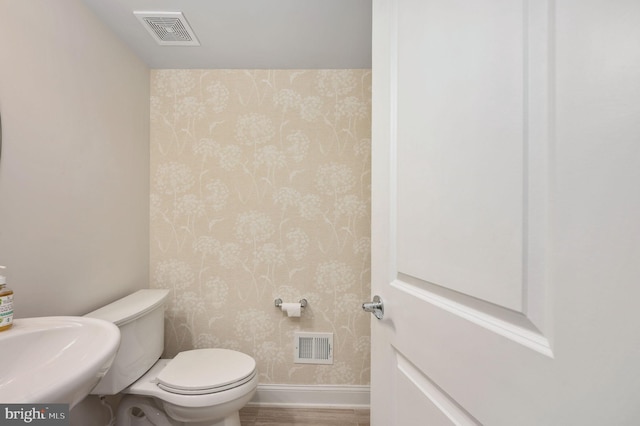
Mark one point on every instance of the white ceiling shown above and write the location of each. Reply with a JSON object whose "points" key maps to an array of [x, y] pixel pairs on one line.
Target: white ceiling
{"points": [[249, 34]]}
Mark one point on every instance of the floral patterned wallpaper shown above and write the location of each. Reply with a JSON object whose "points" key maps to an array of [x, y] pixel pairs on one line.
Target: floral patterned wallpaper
{"points": [[260, 188]]}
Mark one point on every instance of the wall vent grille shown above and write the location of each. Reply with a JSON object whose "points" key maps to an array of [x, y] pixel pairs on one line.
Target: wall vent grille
{"points": [[313, 348], [168, 28]]}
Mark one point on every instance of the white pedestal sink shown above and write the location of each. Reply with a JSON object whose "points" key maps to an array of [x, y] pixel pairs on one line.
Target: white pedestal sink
{"points": [[55, 359]]}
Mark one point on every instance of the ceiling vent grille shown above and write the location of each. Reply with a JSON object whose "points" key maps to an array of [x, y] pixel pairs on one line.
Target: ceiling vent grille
{"points": [[313, 348], [168, 28]]}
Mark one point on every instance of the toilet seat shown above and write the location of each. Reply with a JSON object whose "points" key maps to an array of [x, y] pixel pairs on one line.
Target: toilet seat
{"points": [[206, 371], [147, 386]]}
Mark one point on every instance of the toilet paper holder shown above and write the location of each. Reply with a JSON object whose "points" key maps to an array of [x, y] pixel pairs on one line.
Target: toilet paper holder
{"points": [[278, 302]]}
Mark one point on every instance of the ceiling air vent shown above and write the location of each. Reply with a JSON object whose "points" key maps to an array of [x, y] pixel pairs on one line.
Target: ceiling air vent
{"points": [[168, 28]]}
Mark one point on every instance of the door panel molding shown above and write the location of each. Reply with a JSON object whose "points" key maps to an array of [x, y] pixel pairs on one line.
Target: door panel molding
{"points": [[461, 119], [507, 323], [417, 386], [527, 322], [539, 110]]}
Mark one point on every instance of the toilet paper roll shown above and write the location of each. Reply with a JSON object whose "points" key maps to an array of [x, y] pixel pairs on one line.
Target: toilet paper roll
{"points": [[292, 309]]}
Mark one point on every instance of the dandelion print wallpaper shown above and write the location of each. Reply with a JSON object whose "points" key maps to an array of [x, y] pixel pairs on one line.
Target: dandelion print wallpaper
{"points": [[260, 188]]}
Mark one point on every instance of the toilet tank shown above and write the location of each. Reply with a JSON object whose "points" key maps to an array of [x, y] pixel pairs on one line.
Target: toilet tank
{"points": [[140, 317]]}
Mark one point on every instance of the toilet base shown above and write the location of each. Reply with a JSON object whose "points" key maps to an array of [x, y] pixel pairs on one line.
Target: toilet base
{"points": [[141, 411], [144, 411]]}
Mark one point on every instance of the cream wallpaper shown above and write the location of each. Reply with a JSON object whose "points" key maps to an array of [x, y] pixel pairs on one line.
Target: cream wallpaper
{"points": [[260, 188]]}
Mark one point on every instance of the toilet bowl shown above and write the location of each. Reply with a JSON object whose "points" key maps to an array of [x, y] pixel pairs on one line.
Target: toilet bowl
{"points": [[218, 394], [200, 387]]}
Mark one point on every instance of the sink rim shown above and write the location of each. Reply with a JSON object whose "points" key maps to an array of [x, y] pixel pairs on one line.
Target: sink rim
{"points": [[69, 374]]}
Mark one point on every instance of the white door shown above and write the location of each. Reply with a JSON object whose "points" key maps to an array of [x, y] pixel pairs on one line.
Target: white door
{"points": [[506, 212]]}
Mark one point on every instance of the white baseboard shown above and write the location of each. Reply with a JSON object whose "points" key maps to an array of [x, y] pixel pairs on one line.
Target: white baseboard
{"points": [[311, 396]]}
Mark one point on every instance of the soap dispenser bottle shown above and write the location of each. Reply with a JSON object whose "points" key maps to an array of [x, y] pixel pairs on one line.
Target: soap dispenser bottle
{"points": [[6, 303]]}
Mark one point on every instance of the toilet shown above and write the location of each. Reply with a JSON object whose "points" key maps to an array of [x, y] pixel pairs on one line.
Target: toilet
{"points": [[200, 387]]}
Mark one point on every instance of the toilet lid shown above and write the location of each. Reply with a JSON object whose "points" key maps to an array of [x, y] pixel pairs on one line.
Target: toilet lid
{"points": [[203, 371]]}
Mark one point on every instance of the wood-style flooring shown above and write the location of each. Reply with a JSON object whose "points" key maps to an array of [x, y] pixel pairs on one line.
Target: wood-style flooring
{"points": [[270, 416]]}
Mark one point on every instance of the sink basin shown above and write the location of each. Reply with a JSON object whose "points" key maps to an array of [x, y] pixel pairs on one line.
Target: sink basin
{"points": [[55, 359]]}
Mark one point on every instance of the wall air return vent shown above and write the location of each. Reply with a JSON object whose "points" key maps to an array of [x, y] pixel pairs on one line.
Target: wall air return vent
{"points": [[313, 348], [168, 28]]}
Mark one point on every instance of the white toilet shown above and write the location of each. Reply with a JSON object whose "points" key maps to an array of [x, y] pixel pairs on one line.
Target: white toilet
{"points": [[202, 387]]}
